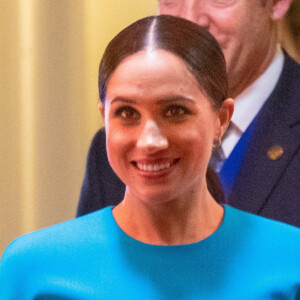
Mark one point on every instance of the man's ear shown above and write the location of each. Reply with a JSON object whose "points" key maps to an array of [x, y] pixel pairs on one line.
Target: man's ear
{"points": [[280, 8], [225, 114], [101, 108]]}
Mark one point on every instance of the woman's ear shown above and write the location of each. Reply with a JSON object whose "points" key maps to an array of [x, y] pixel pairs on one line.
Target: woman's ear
{"points": [[101, 108], [280, 8], [225, 114]]}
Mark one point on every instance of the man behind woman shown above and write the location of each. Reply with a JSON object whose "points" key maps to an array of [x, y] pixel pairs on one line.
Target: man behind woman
{"points": [[260, 151]]}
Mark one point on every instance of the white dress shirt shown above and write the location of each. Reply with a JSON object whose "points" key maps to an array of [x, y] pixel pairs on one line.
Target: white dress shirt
{"points": [[250, 101]]}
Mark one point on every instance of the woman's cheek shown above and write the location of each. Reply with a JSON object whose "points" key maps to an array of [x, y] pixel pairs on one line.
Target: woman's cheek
{"points": [[119, 140]]}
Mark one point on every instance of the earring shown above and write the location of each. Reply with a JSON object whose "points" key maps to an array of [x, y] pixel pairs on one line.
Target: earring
{"points": [[217, 143]]}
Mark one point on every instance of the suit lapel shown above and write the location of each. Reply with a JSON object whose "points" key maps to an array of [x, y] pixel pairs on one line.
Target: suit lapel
{"points": [[274, 138]]}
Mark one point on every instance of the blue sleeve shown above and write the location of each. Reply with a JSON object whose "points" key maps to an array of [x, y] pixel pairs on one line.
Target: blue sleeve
{"points": [[12, 277]]}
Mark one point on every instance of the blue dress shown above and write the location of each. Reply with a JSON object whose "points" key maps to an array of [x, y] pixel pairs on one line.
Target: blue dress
{"points": [[248, 257]]}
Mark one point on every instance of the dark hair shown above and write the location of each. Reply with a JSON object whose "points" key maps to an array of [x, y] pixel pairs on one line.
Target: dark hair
{"points": [[214, 185], [188, 41], [293, 18]]}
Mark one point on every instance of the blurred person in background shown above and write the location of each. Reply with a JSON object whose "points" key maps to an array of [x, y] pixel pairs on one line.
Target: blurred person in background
{"points": [[289, 30]]}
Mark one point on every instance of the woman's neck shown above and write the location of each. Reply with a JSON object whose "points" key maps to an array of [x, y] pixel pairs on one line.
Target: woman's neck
{"points": [[176, 222]]}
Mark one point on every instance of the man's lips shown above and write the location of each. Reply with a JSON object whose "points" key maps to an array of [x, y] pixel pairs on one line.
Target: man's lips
{"points": [[154, 166]]}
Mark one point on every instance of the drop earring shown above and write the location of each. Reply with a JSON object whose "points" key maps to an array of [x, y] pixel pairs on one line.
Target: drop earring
{"points": [[217, 143]]}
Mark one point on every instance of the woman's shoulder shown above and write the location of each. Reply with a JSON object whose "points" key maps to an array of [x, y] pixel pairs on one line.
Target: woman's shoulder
{"points": [[261, 228], [54, 250], [77, 231]]}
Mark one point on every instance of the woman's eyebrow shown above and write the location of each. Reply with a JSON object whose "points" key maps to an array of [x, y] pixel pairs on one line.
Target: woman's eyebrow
{"points": [[176, 99], [122, 99], [164, 100]]}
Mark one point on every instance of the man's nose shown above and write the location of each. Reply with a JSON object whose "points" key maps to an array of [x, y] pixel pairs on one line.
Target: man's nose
{"points": [[151, 137], [196, 11]]}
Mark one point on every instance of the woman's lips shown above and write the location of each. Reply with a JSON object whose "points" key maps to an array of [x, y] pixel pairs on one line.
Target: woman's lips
{"points": [[157, 166]]}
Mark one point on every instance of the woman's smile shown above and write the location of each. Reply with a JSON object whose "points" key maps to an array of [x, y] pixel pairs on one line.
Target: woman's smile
{"points": [[154, 167]]}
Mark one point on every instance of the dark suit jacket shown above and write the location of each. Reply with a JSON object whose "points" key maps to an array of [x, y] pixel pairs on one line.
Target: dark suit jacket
{"points": [[266, 187]]}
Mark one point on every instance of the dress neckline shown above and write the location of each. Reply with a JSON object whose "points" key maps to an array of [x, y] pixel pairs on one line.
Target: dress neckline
{"points": [[128, 239]]}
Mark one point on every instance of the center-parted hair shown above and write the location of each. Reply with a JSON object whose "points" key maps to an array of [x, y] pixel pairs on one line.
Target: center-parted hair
{"points": [[188, 41], [185, 39]]}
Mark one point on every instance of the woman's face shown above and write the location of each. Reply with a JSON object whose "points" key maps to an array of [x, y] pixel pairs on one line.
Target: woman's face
{"points": [[160, 127]]}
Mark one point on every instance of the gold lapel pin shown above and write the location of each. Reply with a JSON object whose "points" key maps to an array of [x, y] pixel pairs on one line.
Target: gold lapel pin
{"points": [[275, 152]]}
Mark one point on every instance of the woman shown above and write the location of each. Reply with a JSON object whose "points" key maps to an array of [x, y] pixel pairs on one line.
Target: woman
{"points": [[163, 87]]}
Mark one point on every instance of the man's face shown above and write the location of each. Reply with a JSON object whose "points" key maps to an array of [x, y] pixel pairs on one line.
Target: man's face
{"points": [[243, 28]]}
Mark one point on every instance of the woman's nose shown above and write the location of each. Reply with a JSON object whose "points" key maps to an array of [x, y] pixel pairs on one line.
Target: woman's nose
{"points": [[151, 137]]}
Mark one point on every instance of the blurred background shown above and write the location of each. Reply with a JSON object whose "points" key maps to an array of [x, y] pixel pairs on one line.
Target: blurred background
{"points": [[50, 51]]}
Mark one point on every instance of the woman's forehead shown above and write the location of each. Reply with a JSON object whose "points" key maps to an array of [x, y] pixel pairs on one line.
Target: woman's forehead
{"points": [[153, 66]]}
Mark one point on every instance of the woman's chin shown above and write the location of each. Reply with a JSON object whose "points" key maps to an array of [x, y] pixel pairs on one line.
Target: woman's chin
{"points": [[155, 197]]}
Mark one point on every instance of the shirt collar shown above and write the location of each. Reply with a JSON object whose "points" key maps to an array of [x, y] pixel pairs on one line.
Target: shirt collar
{"points": [[249, 102]]}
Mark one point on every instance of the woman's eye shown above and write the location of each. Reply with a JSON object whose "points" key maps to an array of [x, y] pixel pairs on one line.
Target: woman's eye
{"points": [[127, 113], [176, 111]]}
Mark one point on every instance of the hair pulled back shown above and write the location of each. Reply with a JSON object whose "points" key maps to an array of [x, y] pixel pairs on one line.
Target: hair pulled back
{"points": [[183, 38], [188, 41]]}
